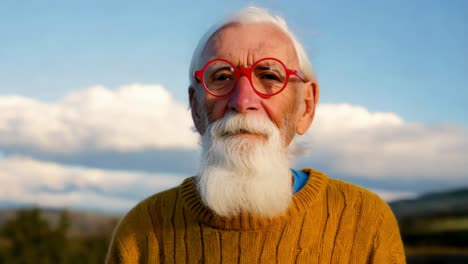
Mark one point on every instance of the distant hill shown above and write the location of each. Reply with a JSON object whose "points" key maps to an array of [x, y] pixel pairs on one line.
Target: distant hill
{"points": [[440, 204], [82, 223], [435, 224]]}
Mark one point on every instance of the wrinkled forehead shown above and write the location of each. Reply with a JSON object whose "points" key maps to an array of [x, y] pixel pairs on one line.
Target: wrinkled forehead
{"points": [[244, 44]]}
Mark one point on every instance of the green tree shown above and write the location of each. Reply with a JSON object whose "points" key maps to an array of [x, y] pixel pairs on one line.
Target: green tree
{"points": [[32, 240], [29, 238]]}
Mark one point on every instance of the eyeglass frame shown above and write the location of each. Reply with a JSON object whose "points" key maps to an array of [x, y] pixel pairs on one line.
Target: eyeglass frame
{"points": [[246, 71]]}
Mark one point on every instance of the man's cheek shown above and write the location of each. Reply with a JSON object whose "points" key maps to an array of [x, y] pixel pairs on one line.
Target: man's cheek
{"points": [[215, 111]]}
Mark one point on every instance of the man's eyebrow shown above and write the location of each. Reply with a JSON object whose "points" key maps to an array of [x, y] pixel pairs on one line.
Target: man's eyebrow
{"points": [[268, 67], [220, 68]]}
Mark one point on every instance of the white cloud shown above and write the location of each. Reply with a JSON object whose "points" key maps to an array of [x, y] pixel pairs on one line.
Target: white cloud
{"points": [[49, 184], [133, 117], [382, 145]]}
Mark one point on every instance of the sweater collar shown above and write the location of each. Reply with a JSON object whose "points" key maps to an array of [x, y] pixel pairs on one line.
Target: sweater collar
{"points": [[305, 198]]}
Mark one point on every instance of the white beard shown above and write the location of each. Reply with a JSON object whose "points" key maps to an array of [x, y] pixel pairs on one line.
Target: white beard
{"points": [[240, 173]]}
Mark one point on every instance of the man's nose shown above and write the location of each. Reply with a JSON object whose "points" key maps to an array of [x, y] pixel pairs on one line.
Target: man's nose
{"points": [[244, 98]]}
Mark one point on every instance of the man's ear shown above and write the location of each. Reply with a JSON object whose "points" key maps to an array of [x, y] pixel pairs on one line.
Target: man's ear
{"points": [[195, 109], [306, 111]]}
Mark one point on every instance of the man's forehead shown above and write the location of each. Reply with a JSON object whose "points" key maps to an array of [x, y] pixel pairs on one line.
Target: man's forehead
{"points": [[246, 43]]}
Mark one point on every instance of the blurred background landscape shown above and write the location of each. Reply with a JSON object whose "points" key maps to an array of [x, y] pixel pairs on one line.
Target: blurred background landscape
{"points": [[94, 114], [434, 229]]}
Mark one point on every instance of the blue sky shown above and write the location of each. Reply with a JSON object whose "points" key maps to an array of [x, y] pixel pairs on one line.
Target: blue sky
{"points": [[382, 66], [407, 57]]}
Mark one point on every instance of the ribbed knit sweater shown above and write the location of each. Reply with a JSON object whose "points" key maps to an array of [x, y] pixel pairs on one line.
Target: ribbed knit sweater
{"points": [[328, 221]]}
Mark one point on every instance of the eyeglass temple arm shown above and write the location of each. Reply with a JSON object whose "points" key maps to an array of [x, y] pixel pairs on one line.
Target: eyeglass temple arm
{"points": [[297, 73], [197, 75]]}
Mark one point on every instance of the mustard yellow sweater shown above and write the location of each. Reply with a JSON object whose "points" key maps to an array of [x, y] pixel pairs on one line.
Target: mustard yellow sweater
{"points": [[329, 221]]}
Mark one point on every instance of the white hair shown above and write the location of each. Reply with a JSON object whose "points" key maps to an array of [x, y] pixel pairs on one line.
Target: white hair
{"points": [[252, 15]]}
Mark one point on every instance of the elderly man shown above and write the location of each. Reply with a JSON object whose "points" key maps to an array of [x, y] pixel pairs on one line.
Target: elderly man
{"points": [[252, 89]]}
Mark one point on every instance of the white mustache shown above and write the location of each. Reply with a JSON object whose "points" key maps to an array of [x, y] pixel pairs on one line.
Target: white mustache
{"points": [[233, 124]]}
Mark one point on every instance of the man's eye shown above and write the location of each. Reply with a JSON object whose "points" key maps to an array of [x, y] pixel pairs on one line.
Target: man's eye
{"points": [[270, 76], [222, 77]]}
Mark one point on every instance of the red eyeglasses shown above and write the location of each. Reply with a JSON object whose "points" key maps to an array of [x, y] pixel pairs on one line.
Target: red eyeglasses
{"points": [[267, 76]]}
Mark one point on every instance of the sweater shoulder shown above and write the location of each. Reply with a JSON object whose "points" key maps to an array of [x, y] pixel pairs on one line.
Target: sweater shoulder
{"points": [[355, 195], [151, 203], [340, 194], [140, 219], [377, 216], [135, 234]]}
